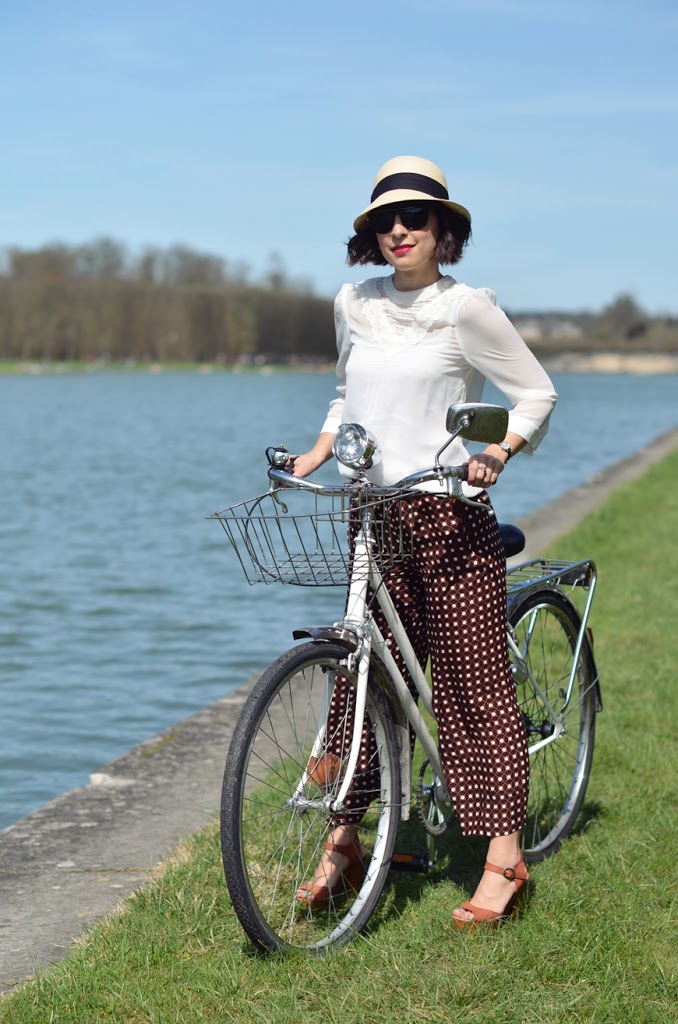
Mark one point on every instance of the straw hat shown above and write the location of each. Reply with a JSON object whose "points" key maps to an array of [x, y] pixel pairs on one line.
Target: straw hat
{"points": [[408, 177]]}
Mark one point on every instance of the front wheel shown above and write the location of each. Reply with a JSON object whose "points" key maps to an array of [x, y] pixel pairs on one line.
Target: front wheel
{"points": [[284, 764], [560, 725]]}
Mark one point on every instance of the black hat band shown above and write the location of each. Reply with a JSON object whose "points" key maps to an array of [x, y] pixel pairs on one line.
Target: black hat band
{"points": [[415, 182]]}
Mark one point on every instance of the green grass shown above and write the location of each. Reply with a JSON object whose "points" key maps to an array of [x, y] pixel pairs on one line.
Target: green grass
{"points": [[596, 942]]}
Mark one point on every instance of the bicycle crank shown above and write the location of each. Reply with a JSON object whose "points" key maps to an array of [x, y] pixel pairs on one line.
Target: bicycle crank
{"points": [[434, 808]]}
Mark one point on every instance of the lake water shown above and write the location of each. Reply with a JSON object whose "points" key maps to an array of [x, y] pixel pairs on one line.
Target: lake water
{"points": [[122, 610]]}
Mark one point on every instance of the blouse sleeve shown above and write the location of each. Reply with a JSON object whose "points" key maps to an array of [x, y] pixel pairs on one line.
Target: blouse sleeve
{"points": [[336, 409], [492, 345]]}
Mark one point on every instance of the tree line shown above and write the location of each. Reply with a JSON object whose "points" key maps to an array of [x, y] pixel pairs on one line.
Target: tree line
{"points": [[622, 325], [98, 301], [95, 301]]}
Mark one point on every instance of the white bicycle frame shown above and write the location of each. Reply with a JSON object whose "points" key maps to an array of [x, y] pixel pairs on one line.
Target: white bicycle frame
{"points": [[359, 622], [478, 423]]}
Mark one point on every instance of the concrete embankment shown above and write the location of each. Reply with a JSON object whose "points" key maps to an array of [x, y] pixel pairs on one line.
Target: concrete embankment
{"points": [[72, 861]]}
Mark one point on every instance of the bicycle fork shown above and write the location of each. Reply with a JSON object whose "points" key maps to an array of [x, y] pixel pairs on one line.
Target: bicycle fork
{"points": [[366, 574], [357, 661]]}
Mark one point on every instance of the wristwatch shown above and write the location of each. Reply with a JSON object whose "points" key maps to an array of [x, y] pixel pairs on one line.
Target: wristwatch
{"points": [[505, 447]]}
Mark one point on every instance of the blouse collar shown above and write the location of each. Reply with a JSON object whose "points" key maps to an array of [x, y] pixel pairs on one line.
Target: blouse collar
{"points": [[410, 297]]}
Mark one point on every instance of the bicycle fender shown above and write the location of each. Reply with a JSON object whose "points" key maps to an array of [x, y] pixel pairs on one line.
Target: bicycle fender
{"points": [[331, 634]]}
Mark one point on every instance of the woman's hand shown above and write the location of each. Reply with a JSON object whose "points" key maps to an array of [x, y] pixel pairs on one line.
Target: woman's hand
{"points": [[484, 470], [304, 465]]}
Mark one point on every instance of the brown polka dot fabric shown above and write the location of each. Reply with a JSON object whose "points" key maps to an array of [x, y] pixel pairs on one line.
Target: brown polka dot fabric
{"points": [[451, 598]]}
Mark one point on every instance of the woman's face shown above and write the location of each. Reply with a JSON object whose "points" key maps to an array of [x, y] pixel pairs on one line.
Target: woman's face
{"points": [[409, 249]]}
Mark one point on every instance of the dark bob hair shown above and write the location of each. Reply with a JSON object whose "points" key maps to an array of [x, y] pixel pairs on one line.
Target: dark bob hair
{"points": [[455, 232]]}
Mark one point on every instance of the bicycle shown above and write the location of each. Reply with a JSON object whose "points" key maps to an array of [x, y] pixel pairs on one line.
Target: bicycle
{"points": [[286, 775]]}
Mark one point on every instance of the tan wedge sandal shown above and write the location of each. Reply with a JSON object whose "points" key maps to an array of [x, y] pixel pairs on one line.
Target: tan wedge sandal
{"points": [[481, 916], [317, 897]]}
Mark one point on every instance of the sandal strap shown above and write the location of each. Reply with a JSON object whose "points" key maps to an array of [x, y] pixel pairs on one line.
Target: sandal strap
{"points": [[518, 873], [479, 913], [352, 850]]}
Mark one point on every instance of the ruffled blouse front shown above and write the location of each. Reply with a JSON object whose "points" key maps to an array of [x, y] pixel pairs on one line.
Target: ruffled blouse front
{"points": [[405, 357]]}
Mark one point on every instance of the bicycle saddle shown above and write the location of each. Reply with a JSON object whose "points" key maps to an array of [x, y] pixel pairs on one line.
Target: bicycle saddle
{"points": [[513, 538]]}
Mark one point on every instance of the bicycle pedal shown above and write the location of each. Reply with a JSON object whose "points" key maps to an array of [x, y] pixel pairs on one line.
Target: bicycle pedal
{"points": [[418, 862]]}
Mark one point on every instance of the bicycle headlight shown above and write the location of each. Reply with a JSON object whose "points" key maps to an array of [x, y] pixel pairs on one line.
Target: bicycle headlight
{"points": [[354, 447]]}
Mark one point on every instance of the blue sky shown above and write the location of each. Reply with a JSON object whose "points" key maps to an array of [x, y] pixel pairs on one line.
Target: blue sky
{"points": [[252, 128]]}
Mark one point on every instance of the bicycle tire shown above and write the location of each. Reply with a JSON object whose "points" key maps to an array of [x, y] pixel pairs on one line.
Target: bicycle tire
{"points": [[545, 626], [271, 846]]}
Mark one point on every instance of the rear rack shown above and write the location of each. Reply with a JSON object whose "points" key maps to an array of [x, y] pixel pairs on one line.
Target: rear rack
{"points": [[549, 570]]}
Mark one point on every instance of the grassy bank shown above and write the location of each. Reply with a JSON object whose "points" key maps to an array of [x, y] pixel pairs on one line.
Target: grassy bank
{"points": [[595, 943]]}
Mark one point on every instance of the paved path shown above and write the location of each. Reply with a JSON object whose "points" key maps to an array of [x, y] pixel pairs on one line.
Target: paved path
{"points": [[69, 863]]}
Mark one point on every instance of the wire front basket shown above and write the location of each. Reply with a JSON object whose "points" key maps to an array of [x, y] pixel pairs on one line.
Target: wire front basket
{"points": [[302, 538]]}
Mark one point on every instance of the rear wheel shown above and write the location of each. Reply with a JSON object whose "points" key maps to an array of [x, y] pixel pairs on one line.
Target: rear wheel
{"points": [[560, 726], [275, 819]]}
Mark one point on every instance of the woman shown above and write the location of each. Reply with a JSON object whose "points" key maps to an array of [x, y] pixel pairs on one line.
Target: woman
{"points": [[410, 345]]}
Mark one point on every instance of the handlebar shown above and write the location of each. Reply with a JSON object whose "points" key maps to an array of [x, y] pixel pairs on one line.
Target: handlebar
{"points": [[441, 473], [478, 422]]}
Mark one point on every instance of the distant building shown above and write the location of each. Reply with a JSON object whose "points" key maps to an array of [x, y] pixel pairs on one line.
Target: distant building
{"points": [[565, 329], [547, 328], [529, 330]]}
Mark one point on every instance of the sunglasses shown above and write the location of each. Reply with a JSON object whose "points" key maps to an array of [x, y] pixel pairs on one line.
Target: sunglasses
{"points": [[414, 218]]}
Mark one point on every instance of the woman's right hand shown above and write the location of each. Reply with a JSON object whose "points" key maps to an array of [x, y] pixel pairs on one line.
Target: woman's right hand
{"points": [[304, 465]]}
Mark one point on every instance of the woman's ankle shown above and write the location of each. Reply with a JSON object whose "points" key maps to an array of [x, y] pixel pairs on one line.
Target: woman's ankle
{"points": [[344, 835], [505, 851]]}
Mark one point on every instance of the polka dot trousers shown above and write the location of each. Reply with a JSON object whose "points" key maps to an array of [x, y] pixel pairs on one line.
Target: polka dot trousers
{"points": [[451, 597]]}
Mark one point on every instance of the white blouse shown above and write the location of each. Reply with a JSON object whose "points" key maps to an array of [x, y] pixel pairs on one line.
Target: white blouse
{"points": [[405, 357]]}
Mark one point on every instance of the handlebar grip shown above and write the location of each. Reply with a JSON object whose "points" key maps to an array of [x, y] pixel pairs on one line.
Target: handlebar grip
{"points": [[464, 471]]}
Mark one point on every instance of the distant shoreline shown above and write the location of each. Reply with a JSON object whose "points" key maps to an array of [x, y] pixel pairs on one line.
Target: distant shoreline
{"points": [[633, 363], [37, 367]]}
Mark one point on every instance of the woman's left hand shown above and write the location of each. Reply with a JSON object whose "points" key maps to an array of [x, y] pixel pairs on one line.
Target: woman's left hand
{"points": [[484, 470]]}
